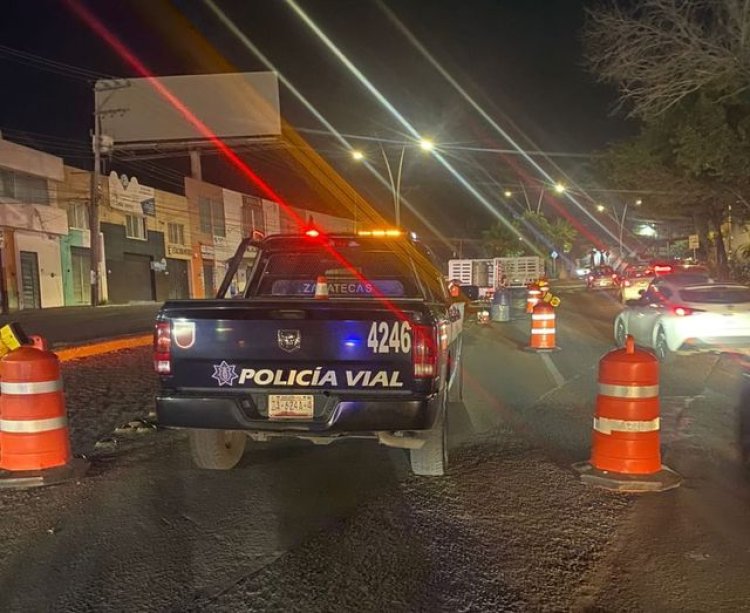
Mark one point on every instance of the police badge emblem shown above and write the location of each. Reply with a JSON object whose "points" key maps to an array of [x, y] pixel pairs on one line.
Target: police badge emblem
{"points": [[289, 340]]}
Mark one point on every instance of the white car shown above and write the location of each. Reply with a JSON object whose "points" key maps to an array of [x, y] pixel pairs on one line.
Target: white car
{"points": [[672, 316], [634, 282]]}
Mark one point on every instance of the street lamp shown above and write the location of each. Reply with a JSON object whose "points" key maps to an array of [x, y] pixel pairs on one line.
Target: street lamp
{"points": [[507, 193], [600, 208], [425, 144], [560, 188]]}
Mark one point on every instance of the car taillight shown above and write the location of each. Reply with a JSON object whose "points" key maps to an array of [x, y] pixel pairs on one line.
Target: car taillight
{"points": [[424, 351], [662, 269], [163, 347], [683, 311], [627, 283]]}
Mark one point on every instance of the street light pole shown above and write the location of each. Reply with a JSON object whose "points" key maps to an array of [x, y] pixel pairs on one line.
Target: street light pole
{"points": [[424, 144], [622, 225], [395, 184]]}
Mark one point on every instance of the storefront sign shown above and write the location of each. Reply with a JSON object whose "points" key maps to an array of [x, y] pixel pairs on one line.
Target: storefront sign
{"points": [[178, 250]]}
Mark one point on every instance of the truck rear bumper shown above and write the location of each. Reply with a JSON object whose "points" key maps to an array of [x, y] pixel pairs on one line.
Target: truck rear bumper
{"points": [[346, 416]]}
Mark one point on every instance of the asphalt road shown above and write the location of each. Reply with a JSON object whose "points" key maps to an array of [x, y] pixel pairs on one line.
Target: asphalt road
{"points": [[75, 325], [298, 527]]}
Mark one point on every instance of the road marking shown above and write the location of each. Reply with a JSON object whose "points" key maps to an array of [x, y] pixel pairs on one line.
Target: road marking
{"points": [[556, 375], [92, 349]]}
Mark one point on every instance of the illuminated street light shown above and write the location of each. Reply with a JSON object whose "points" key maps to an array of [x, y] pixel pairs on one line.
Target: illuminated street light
{"points": [[508, 193], [638, 202], [559, 188], [600, 208], [425, 145]]}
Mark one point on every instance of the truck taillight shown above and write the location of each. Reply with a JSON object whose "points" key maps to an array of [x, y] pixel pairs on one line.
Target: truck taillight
{"points": [[424, 351], [163, 347]]}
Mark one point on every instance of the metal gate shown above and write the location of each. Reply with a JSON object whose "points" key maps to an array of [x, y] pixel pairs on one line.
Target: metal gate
{"points": [[31, 296], [80, 272], [177, 281], [208, 280]]}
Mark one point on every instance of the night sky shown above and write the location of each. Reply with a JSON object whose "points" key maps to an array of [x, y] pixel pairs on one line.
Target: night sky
{"points": [[519, 59]]}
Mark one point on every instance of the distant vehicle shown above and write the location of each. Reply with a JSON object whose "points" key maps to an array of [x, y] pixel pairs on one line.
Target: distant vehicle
{"points": [[332, 336], [635, 281], [668, 267], [487, 273], [603, 278], [673, 317]]}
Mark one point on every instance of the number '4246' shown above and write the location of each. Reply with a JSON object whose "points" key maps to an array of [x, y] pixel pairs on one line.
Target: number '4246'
{"points": [[389, 336]]}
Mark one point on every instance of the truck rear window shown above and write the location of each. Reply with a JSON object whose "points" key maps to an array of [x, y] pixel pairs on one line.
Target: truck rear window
{"points": [[366, 274]]}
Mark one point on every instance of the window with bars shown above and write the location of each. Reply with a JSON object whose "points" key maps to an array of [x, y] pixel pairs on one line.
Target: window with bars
{"points": [[176, 233], [24, 188], [211, 213], [135, 227], [78, 216]]}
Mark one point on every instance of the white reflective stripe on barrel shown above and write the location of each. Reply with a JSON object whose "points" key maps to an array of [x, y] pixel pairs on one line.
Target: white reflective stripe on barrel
{"points": [[543, 317], [31, 388], [605, 425], [542, 330], [629, 391], [31, 426]]}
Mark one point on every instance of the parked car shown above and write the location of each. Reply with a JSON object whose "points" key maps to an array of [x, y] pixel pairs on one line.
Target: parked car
{"points": [[700, 316]]}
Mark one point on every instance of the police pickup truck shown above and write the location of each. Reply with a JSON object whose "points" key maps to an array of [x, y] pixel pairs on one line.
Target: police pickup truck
{"points": [[316, 337]]}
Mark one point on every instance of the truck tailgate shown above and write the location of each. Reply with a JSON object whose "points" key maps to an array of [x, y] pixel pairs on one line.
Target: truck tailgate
{"points": [[255, 345]]}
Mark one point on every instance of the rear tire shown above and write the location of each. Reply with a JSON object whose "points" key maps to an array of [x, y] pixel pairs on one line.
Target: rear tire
{"points": [[432, 459], [661, 349], [217, 449], [620, 334]]}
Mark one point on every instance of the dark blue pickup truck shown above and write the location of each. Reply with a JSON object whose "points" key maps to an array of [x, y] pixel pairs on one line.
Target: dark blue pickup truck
{"points": [[316, 337]]}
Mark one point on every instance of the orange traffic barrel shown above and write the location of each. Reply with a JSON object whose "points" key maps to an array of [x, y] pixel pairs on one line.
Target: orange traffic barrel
{"points": [[543, 328], [625, 451], [321, 288], [33, 423], [533, 298], [626, 421]]}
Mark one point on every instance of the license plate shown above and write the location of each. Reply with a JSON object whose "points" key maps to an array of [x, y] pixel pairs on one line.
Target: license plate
{"points": [[290, 406]]}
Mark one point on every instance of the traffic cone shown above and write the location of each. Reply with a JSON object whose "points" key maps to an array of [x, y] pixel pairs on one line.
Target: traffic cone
{"points": [[543, 329], [34, 437], [321, 288], [625, 453]]}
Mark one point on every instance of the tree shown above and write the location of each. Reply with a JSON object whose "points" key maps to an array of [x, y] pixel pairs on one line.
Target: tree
{"points": [[683, 67], [659, 52], [500, 241], [534, 228]]}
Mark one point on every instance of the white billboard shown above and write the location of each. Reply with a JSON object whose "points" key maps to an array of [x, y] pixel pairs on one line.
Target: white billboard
{"points": [[126, 194], [232, 105]]}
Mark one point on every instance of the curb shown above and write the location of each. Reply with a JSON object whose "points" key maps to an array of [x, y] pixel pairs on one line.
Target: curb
{"points": [[77, 352]]}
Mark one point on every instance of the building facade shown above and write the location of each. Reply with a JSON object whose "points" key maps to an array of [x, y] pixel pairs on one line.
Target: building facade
{"points": [[31, 226]]}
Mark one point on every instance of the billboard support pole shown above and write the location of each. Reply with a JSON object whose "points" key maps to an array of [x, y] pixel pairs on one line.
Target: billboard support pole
{"points": [[195, 165]]}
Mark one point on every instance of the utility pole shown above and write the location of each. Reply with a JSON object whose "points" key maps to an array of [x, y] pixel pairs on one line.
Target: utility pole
{"points": [[95, 255], [100, 144]]}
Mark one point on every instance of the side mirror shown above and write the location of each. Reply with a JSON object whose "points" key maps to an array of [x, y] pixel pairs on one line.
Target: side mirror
{"points": [[633, 303]]}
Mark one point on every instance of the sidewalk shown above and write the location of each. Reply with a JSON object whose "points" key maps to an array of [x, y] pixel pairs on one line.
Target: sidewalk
{"points": [[67, 326]]}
